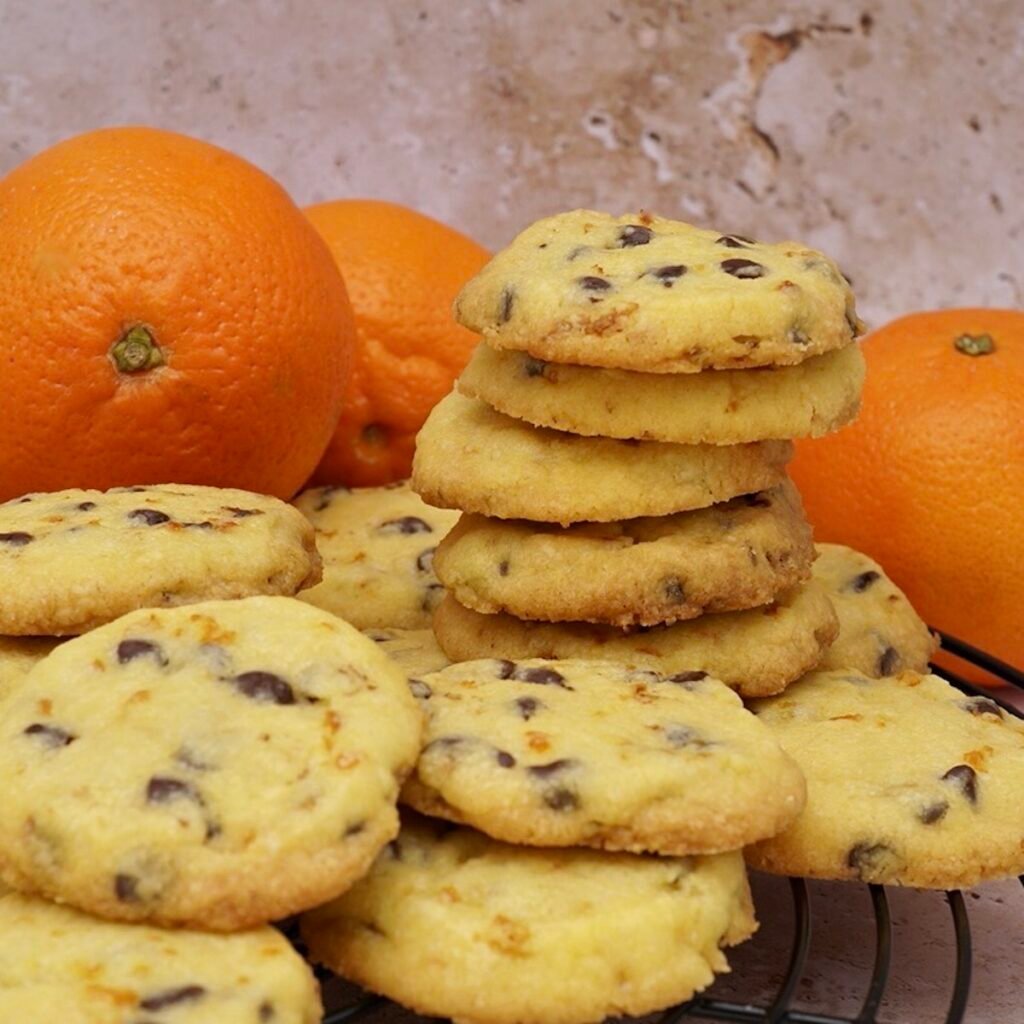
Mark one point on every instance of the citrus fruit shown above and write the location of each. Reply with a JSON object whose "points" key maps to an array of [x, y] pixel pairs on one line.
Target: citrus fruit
{"points": [[167, 315], [930, 479], [403, 271]]}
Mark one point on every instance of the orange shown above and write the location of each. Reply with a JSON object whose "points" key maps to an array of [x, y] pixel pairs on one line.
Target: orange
{"points": [[930, 479], [403, 271], [166, 315]]}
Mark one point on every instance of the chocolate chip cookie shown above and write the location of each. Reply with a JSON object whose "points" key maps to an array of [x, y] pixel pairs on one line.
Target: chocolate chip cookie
{"points": [[378, 546], [453, 924], [73, 560], [810, 399], [880, 634], [909, 782], [592, 753], [59, 965], [216, 766], [472, 458], [640, 292], [756, 652], [737, 554]]}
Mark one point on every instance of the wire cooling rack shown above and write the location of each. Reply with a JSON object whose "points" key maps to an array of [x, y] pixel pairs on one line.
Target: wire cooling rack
{"points": [[347, 1005]]}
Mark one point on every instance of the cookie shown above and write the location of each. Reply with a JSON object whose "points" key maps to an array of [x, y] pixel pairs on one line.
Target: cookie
{"points": [[18, 656], [377, 545], [810, 399], [415, 650], [59, 965], [472, 458], [453, 924], [880, 634], [909, 782], [756, 652], [216, 766], [73, 560], [592, 753], [737, 554], [640, 292]]}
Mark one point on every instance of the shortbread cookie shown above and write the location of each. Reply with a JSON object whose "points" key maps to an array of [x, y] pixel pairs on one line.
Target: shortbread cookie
{"points": [[810, 399], [736, 554], [18, 656], [592, 753], [59, 965], [909, 782], [215, 766], [639, 292], [416, 650], [470, 457], [377, 545], [453, 924], [73, 560], [880, 634], [756, 652]]}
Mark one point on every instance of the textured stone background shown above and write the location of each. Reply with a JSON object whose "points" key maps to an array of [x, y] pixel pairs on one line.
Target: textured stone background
{"points": [[882, 131]]}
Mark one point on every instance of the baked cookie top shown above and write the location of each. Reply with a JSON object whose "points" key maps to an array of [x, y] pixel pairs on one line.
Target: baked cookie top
{"points": [[880, 634], [259, 743], [909, 782], [640, 292], [736, 554], [18, 656], [378, 546], [453, 924], [591, 753], [757, 651], [56, 962], [415, 650], [73, 560], [472, 458]]}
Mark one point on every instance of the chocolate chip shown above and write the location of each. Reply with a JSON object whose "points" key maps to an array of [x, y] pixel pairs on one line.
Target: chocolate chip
{"points": [[534, 367], [866, 859], [746, 270], [407, 524], [173, 997], [982, 706], [129, 650], [267, 1012], [964, 777], [149, 516], [17, 539], [527, 707], [734, 241], [668, 275], [541, 676], [503, 567], [425, 559], [544, 771], [126, 888], [594, 284], [264, 687], [861, 583], [634, 234], [505, 759], [889, 661], [673, 590], [561, 799], [504, 668], [508, 299], [327, 495], [688, 677], [420, 689], [86, 506], [798, 336], [355, 829], [164, 790], [575, 253], [50, 736], [242, 513], [933, 812]]}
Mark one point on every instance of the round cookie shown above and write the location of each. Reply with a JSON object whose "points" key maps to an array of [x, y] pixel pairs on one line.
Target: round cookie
{"points": [[18, 656], [810, 399], [737, 554], [216, 766], [757, 652], [909, 782], [73, 560], [453, 924], [377, 545], [415, 650], [59, 965], [640, 292], [880, 634], [472, 458], [592, 753]]}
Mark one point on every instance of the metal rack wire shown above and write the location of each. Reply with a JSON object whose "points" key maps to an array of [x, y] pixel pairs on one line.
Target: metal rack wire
{"points": [[780, 1010]]}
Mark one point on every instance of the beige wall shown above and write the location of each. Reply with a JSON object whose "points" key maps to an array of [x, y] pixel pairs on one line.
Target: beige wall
{"points": [[882, 131]]}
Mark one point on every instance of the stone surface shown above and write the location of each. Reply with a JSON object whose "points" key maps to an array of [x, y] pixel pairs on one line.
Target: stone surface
{"points": [[880, 130]]}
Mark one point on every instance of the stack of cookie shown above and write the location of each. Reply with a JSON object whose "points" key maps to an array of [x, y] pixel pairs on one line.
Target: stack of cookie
{"points": [[618, 449]]}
